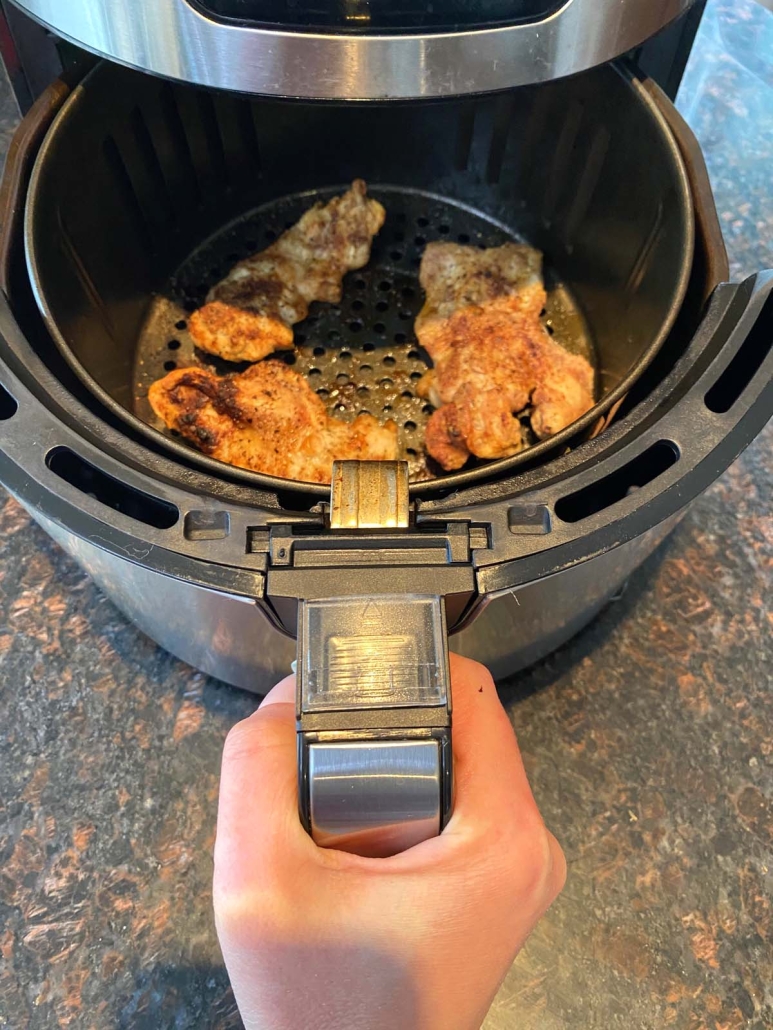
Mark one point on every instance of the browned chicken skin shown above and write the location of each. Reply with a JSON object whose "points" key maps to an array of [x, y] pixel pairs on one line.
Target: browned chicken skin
{"points": [[250, 313], [267, 419], [492, 357]]}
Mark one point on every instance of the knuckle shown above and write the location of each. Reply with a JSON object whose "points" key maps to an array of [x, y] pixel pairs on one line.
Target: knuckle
{"points": [[228, 901], [537, 860], [249, 913], [543, 870], [559, 869], [528, 861], [258, 917]]}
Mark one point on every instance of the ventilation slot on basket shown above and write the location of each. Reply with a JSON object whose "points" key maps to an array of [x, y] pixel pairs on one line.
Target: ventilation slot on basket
{"points": [[563, 156], [583, 193], [147, 149], [248, 134], [745, 365], [503, 120], [176, 130], [8, 406], [212, 135], [88, 286], [465, 131], [644, 258], [126, 188], [606, 492], [90, 480]]}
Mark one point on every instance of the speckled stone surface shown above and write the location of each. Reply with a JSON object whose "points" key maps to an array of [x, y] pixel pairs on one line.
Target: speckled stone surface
{"points": [[649, 740]]}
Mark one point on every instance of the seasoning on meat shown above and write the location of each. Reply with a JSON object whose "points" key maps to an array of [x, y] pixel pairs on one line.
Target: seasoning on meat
{"points": [[492, 357], [267, 419], [250, 313]]}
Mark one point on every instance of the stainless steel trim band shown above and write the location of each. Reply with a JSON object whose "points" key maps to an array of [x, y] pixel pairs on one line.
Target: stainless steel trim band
{"points": [[172, 39]]}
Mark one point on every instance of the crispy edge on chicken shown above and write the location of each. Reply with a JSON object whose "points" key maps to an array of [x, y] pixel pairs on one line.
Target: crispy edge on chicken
{"points": [[492, 356], [250, 313], [267, 419]]}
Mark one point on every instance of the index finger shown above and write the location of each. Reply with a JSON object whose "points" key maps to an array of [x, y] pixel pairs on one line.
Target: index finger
{"points": [[488, 768]]}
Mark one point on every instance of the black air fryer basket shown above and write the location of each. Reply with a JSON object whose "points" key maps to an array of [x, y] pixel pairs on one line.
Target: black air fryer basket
{"points": [[144, 194]]}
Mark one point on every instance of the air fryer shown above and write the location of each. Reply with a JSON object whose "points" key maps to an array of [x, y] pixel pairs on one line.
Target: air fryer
{"points": [[127, 195]]}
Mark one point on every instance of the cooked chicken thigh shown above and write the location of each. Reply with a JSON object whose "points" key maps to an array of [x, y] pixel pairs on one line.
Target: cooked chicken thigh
{"points": [[267, 419], [250, 313], [455, 276], [492, 356]]}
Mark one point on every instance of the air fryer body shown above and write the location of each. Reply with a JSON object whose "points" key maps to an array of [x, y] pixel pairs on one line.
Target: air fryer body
{"points": [[212, 565], [232, 638]]}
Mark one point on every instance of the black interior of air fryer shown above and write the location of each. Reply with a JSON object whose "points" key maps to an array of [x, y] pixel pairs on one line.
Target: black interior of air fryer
{"points": [[142, 171], [371, 16]]}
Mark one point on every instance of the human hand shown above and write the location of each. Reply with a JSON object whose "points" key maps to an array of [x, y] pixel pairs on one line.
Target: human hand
{"points": [[317, 939]]}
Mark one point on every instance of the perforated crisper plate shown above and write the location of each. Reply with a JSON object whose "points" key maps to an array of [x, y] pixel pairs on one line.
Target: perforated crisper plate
{"points": [[360, 355]]}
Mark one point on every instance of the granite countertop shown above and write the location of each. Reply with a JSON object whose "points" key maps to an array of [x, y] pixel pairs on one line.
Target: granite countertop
{"points": [[648, 738]]}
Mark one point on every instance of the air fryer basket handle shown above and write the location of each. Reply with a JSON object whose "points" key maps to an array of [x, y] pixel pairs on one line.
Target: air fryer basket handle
{"points": [[18, 168], [374, 722], [714, 252], [373, 693]]}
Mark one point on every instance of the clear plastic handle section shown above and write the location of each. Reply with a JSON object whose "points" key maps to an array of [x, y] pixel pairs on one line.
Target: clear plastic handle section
{"points": [[365, 652]]}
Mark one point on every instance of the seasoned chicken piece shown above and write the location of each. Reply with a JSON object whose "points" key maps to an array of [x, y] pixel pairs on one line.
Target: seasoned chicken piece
{"points": [[251, 312], [478, 422], [492, 357], [267, 419], [454, 277]]}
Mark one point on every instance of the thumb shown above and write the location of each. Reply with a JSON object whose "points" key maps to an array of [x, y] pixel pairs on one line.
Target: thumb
{"points": [[282, 693]]}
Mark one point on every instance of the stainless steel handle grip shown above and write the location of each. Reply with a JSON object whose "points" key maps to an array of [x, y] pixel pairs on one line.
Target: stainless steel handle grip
{"points": [[375, 797]]}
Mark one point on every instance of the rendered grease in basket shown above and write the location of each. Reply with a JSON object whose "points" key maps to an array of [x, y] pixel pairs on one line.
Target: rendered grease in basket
{"points": [[481, 325]]}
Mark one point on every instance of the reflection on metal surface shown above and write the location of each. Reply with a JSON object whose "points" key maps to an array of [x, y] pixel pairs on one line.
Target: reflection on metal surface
{"points": [[171, 38], [232, 639], [223, 635], [518, 627], [392, 796]]}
